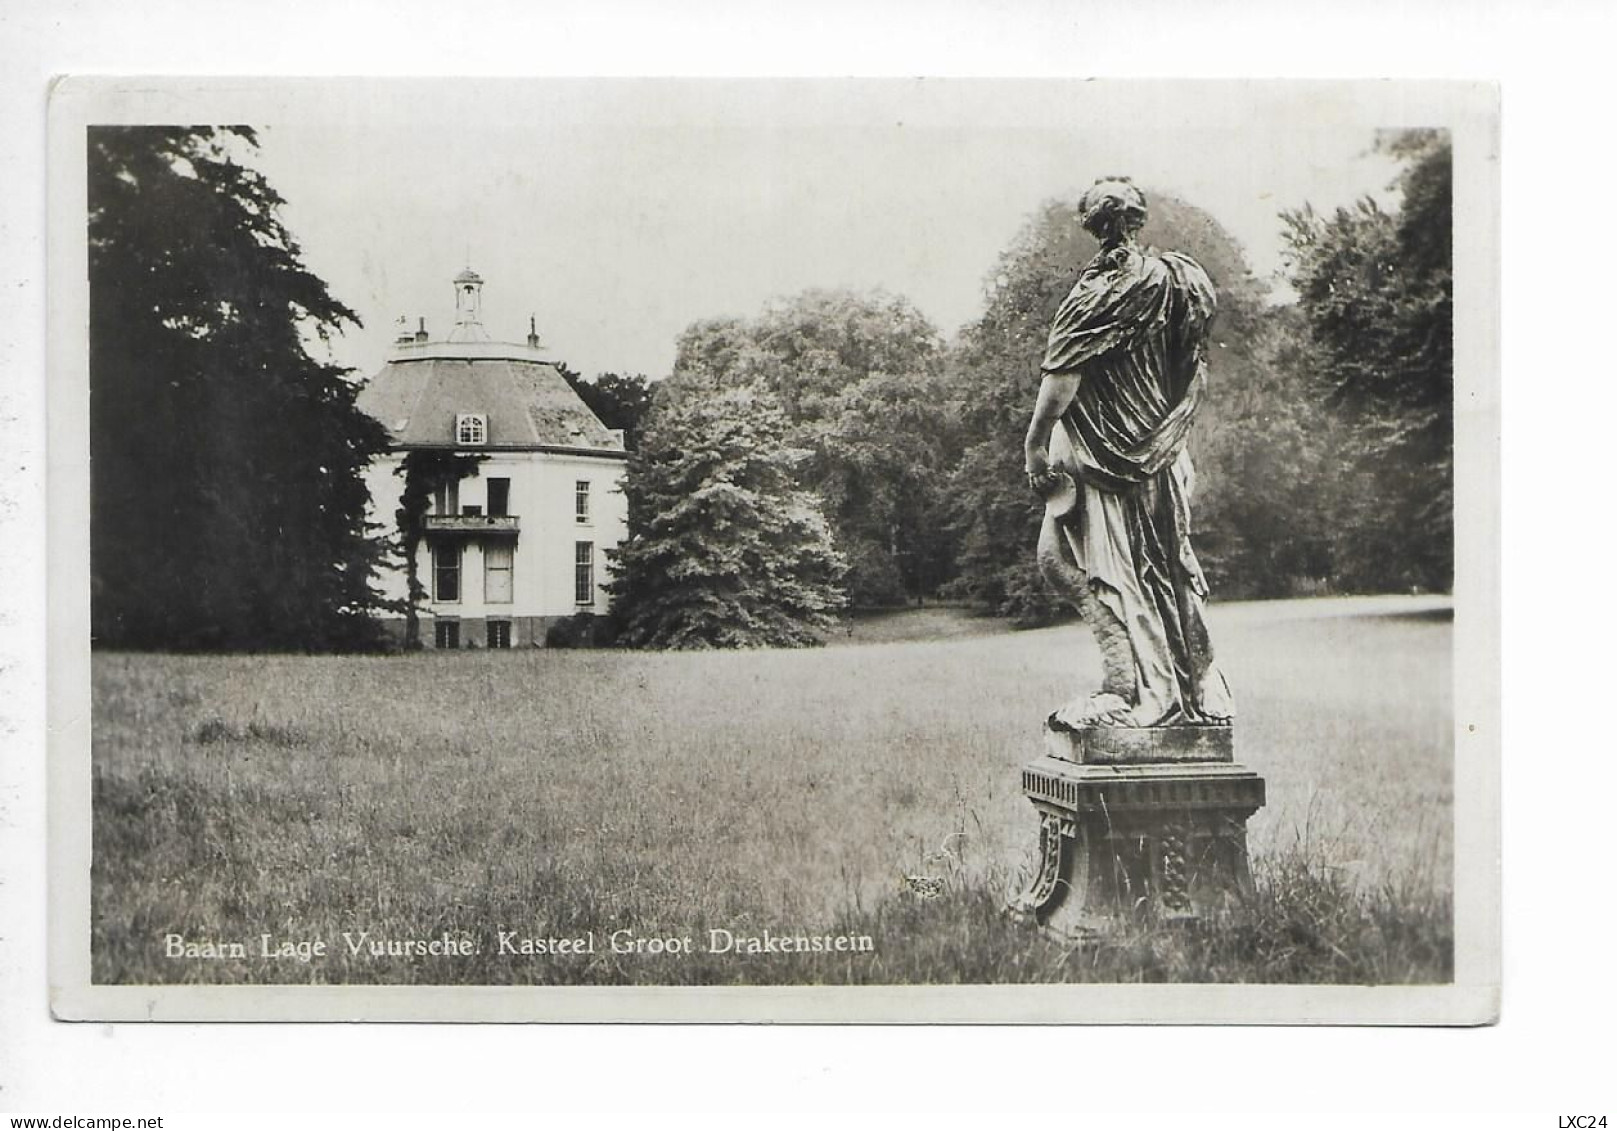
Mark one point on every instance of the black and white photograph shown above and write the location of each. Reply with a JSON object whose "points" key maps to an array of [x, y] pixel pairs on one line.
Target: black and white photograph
{"points": [[863, 550]]}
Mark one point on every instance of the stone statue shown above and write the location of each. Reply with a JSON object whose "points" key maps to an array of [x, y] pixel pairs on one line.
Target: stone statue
{"points": [[1123, 377]]}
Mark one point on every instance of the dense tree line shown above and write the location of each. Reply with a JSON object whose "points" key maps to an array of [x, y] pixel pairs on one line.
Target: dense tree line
{"points": [[227, 504], [1377, 295], [832, 451], [1323, 450]]}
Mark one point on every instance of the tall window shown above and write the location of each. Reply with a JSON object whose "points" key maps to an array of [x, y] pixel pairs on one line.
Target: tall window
{"points": [[447, 634], [497, 558], [446, 498], [584, 573], [581, 500], [471, 428], [499, 496], [446, 573]]}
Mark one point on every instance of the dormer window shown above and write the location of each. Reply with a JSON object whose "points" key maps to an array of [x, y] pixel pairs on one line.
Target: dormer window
{"points": [[471, 428]]}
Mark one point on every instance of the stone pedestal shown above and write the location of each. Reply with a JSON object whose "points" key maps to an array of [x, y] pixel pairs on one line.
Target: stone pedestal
{"points": [[1138, 824]]}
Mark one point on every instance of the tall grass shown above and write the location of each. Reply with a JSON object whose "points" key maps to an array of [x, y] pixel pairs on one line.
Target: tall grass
{"points": [[552, 794]]}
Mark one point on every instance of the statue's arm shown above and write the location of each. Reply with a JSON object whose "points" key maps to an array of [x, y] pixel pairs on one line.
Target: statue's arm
{"points": [[1055, 394]]}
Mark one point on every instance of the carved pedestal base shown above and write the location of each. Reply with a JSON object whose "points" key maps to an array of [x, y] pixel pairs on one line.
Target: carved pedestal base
{"points": [[1127, 840]]}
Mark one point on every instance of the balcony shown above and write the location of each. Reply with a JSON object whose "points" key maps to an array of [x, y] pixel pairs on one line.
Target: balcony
{"points": [[471, 524]]}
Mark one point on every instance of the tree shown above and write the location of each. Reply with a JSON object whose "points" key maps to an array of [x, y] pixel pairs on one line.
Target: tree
{"points": [[725, 550], [995, 376], [1376, 289], [618, 401], [1268, 471], [228, 508], [860, 378]]}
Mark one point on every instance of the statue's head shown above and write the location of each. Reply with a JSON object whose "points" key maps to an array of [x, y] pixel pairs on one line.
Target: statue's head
{"points": [[1111, 208]]}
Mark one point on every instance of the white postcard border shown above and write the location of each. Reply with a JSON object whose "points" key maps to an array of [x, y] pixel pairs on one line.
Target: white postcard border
{"points": [[1470, 110]]}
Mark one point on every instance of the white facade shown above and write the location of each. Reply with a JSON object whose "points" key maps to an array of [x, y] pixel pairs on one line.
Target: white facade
{"points": [[544, 581]]}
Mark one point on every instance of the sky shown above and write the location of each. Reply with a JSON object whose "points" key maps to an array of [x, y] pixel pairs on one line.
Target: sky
{"points": [[616, 213]]}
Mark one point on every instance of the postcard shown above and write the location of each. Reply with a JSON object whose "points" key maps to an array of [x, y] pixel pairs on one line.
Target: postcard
{"points": [[774, 550]]}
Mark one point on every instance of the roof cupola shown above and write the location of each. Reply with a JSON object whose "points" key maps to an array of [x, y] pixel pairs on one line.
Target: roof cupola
{"points": [[468, 308]]}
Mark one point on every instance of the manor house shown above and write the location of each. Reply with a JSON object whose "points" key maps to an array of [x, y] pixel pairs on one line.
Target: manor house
{"points": [[518, 543]]}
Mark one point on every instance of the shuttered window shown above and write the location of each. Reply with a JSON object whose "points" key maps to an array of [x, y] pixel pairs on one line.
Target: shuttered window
{"points": [[497, 562]]}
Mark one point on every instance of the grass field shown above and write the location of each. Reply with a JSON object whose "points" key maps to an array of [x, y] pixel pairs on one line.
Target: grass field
{"points": [[555, 794]]}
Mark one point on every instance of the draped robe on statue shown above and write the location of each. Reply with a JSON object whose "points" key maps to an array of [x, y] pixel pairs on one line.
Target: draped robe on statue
{"points": [[1132, 332]]}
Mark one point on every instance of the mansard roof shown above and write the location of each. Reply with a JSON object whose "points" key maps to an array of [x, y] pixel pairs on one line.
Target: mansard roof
{"points": [[426, 386]]}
